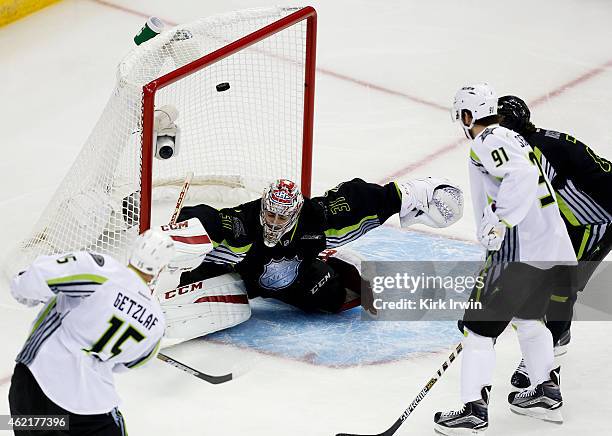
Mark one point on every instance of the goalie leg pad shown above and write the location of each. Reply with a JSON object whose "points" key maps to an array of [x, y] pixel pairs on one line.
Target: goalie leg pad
{"points": [[204, 307]]}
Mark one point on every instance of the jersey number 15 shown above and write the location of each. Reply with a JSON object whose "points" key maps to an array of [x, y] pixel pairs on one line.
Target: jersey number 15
{"points": [[115, 326]]}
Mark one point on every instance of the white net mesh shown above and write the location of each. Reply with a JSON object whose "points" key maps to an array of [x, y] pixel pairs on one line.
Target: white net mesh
{"points": [[239, 138]]}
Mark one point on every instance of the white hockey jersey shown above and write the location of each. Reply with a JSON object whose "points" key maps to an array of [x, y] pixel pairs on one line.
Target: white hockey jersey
{"points": [[504, 170], [99, 318]]}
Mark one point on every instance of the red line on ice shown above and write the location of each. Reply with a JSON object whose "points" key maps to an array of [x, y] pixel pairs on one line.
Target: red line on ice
{"points": [[572, 84], [4, 380], [382, 89], [534, 103], [324, 71], [129, 11], [439, 151]]}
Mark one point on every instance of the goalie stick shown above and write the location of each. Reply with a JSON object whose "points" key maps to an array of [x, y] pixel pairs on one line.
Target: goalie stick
{"points": [[214, 379], [391, 430], [175, 214]]}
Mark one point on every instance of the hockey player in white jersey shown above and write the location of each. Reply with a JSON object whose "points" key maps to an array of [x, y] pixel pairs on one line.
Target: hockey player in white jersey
{"points": [[99, 317], [520, 225]]}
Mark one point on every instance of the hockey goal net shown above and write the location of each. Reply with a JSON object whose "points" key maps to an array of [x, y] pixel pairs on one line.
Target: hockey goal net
{"points": [[253, 128]]}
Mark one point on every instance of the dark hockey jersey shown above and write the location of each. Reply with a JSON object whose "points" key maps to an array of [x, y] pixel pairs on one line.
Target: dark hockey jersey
{"points": [[581, 180], [341, 215]]}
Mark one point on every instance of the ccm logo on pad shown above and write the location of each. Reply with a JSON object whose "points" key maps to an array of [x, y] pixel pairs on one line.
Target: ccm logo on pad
{"points": [[182, 290]]}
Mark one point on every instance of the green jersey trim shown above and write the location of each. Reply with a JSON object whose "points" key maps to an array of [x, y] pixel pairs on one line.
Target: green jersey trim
{"points": [[343, 231], [43, 315], [566, 211], [585, 239], [92, 278], [538, 154], [146, 358], [237, 250], [558, 299], [295, 226], [399, 191], [474, 156]]}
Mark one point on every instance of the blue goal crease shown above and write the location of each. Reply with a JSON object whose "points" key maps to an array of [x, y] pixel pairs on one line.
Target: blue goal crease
{"points": [[344, 340]]}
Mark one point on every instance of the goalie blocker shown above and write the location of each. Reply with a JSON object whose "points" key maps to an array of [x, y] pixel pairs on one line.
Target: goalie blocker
{"points": [[205, 306]]}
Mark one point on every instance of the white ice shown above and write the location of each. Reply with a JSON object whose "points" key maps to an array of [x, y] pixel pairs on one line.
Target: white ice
{"points": [[57, 71]]}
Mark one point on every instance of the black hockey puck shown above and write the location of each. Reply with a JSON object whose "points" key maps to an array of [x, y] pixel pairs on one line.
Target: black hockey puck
{"points": [[223, 87]]}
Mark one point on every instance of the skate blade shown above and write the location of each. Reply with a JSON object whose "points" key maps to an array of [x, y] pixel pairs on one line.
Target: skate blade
{"points": [[458, 431], [539, 413]]}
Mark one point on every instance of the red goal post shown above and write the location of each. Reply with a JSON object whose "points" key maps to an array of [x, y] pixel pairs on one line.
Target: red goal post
{"points": [[235, 138], [307, 13]]}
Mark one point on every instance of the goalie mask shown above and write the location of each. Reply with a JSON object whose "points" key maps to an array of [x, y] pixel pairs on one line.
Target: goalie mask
{"points": [[280, 208]]}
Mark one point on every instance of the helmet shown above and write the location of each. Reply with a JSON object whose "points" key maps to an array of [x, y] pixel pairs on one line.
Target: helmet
{"points": [[151, 252], [515, 113], [479, 100], [280, 208]]}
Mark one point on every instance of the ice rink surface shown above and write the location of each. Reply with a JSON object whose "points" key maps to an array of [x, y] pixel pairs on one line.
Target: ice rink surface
{"points": [[387, 72]]}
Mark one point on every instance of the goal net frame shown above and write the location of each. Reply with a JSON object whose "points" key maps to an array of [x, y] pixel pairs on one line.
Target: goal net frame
{"points": [[307, 13], [107, 196]]}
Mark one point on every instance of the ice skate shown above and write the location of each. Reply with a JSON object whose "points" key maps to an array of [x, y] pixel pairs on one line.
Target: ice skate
{"points": [[471, 419], [542, 402]]}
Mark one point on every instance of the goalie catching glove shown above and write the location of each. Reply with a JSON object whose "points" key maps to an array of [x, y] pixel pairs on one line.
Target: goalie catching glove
{"points": [[191, 244], [432, 201]]}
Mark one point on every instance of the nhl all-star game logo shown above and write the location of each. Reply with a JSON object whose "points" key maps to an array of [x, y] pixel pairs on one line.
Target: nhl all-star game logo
{"points": [[279, 274]]}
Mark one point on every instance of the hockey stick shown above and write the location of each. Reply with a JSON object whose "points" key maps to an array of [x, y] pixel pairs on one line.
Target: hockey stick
{"points": [[181, 198], [214, 379], [391, 430], [175, 214]]}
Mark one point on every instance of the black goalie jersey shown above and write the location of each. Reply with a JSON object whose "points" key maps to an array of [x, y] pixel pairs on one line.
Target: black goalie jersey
{"points": [[291, 268]]}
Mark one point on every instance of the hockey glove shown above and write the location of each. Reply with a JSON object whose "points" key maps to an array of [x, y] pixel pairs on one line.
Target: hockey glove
{"points": [[26, 301], [492, 231], [432, 201], [21, 299]]}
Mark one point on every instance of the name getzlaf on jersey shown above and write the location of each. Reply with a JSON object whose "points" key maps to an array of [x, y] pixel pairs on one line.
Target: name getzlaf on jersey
{"points": [[99, 318], [505, 170]]}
